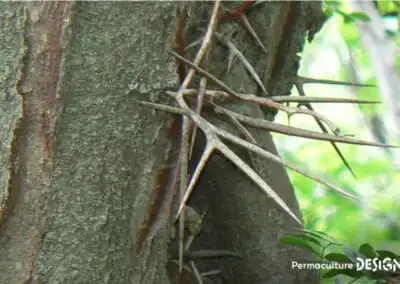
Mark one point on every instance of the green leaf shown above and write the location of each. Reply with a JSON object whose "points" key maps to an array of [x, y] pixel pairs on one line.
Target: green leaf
{"points": [[352, 17], [368, 251], [332, 3], [388, 6], [293, 240], [338, 257], [308, 238], [328, 12], [384, 253], [321, 235], [349, 272], [350, 253], [359, 16], [346, 17], [380, 282]]}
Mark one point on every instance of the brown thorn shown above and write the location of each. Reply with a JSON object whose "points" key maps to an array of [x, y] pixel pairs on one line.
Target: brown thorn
{"points": [[185, 140], [252, 32], [300, 89], [258, 100], [305, 80]]}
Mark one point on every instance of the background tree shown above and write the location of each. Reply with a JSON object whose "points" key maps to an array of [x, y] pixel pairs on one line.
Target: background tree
{"points": [[84, 165]]}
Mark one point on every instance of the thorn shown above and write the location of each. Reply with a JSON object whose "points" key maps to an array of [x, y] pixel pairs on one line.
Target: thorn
{"points": [[200, 99], [228, 43], [308, 99], [196, 273], [235, 159], [300, 89], [165, 108], [231, 61], [184, 160], [184, 155], [213, 133], [262, 101], [223, 96], [199, 106], [231, 57], [210, 253], [193, 44], [205, 44], [272, 157], [240, 14], [213, 143], [252, 32], [305, 80], [242, 130], [211, 272], [241, 9], [203, 160], [337, 150], [299, 132]]}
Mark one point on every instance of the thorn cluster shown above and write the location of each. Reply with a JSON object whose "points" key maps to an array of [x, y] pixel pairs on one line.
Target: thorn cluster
{"points": [[215, 136]]}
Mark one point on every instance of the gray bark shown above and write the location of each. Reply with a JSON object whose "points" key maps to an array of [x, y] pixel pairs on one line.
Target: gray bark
{"points": [[80, 157]]}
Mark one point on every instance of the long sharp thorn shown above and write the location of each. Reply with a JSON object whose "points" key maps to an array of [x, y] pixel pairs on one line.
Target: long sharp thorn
{"points": [[204, 46], [308, 99], [231, 58], [235, 159], [242, 130], [212, 133], [254, 99], [199, 106], [196, 273], [184, 156], [305, 80], [221, 95], [210, 253], [252, 32], [217, 144], [203, 72], [278, 128], [203, 160], [200, 99], [231, 61], [186, 123], [300, 89], [262, 152], [243, 59], [323, 128], [173, 110], [189, 242], [211, 272], [299, 132], [193, 44]]}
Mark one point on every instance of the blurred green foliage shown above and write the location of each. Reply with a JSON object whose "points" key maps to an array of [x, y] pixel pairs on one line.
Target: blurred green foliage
{"points": [[377, 221], [342, 259]]}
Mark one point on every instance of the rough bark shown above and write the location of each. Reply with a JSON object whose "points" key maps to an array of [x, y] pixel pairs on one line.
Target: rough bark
{"points": [[80, 157]]}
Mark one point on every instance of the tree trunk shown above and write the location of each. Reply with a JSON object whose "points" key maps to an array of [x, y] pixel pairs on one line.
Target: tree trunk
{"points": [[81, 159]]}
